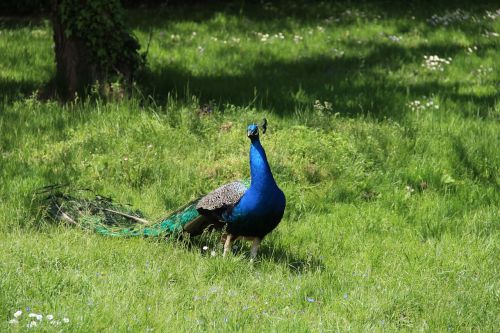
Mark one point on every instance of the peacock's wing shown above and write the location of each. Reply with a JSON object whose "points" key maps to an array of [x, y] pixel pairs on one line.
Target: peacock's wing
{"points": [[211, 206], [221, 198]]}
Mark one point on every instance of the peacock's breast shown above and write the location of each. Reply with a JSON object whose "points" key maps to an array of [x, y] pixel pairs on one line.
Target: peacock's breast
{"points": [[264, 202], [258, 213]]}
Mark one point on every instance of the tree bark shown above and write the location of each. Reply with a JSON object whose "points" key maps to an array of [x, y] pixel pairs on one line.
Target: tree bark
{"points": [[77, 52], [74, 69]]}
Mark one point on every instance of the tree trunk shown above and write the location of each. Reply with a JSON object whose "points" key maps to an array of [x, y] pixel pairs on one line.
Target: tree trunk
{"points": [[92, 45], [74, 69]]}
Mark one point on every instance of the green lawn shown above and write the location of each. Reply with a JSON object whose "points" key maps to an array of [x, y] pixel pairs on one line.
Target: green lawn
{"points": [[389, 158]]}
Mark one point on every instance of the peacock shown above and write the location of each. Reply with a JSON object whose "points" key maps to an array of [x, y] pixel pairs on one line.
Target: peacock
{"points": [[245, 210]]}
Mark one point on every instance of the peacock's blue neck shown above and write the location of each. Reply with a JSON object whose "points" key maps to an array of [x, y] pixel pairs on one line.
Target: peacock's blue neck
{"points": [[262, 177]]}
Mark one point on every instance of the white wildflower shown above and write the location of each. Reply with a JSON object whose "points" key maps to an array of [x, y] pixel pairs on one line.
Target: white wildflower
{"points": [[490, 34], [205, 248], [321, 107], [13, 321], [297, 38], [49, 317], [39, 317], [483, 71], [435, 63], [32, 315], [65, 320], [338, 52], [472, 49], [263, 37], [18, 313], [448, 18], [418, 106], [395, 39], [492, 15], [213, 253], [32, 324]]}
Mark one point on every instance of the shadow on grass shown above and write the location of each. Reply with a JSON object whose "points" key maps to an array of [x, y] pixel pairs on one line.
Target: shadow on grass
{"points": [[302, 11], [474, 164], [296, 264], [12, 90], [272, 252], [22, 21], [355, 85]]}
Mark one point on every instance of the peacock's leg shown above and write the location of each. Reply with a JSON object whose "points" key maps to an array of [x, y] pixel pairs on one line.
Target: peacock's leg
{"points": [[255, 247], [228, 244]]}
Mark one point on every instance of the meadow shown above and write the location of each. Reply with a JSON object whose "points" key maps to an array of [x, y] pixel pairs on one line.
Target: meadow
{"points": [[384, 134]]}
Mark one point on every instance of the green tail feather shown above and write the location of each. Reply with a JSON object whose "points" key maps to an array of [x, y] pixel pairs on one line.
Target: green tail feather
{"points": [[170, 225], [105, 217]]}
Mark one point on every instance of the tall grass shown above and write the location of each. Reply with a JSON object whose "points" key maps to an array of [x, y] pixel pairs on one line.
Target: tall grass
{"points": [[392, 219]]}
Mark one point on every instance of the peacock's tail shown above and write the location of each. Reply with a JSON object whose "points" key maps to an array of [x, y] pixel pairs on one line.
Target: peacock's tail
{"points": [[172, 224], [105, 217]]}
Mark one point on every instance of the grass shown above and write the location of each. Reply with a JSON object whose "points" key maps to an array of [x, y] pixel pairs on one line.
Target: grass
{"points": [[392, 219]]}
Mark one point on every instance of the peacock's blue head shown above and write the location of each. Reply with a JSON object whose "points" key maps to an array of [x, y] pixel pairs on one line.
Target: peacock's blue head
{"points": [[253, 130]]}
